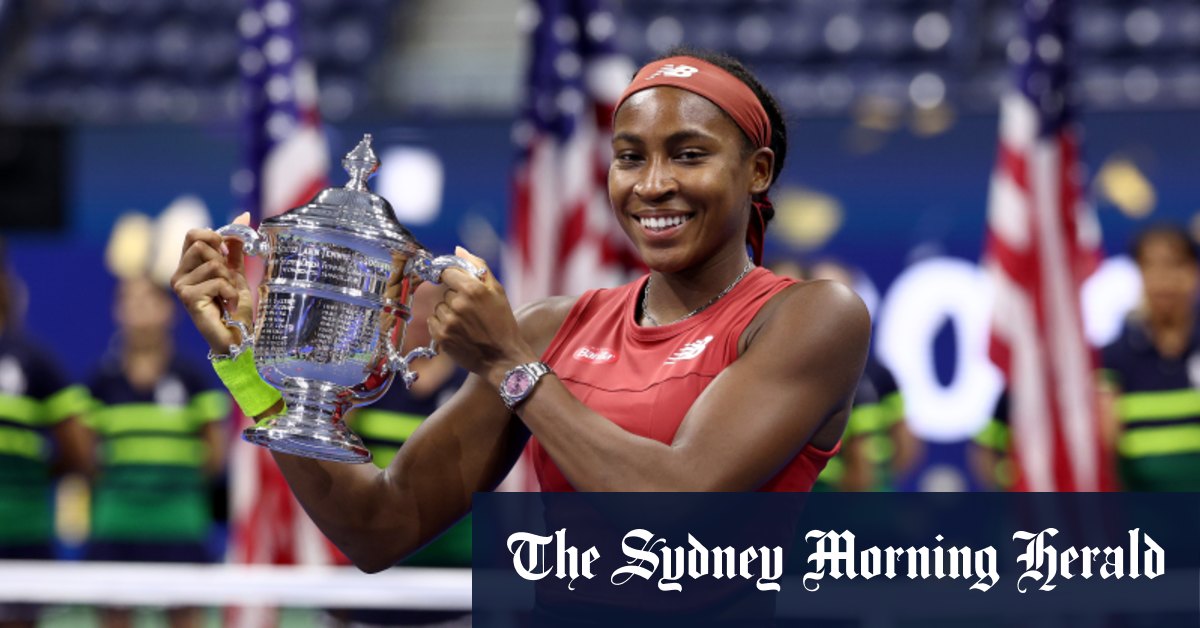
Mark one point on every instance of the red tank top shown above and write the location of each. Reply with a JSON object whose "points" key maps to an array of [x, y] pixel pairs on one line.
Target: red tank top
{"points": [[645, 379]]}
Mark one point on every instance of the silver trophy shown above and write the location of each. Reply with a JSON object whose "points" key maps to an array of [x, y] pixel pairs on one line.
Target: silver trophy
{"points": [[334, 305]]}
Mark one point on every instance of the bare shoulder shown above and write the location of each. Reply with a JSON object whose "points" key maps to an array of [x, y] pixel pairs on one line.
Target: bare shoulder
{"points": [[814, 317], [825, 298], [540, 320]]}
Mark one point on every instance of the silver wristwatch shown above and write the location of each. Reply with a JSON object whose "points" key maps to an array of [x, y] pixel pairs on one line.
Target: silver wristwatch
{"points": [[519, 382]]}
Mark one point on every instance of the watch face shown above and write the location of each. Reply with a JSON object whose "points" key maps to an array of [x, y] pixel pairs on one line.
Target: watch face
{"points": [[517, 383]]}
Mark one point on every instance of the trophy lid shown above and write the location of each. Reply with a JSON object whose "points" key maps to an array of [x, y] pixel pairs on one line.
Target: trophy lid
{"points": [[352, 209]]}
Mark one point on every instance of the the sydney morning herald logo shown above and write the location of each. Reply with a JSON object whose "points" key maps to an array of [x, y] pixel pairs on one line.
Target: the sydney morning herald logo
{"points": [[837, 555]]}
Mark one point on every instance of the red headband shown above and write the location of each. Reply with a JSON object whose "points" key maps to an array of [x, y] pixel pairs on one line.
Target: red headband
{"points": [[728, 93], [723, 89]]}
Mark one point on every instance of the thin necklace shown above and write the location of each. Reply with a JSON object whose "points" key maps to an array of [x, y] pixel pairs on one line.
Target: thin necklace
{"points": [[646, 295]]}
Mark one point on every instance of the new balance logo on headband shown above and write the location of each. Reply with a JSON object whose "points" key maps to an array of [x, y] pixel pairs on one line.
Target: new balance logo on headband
{"points": [[676, 71]]}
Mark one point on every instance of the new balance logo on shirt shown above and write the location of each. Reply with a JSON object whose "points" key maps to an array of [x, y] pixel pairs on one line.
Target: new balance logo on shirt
{"points": [[690, 351]]}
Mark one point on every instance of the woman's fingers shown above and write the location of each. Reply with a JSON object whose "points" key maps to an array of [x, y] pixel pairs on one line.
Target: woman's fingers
{"points": [[210, 279], [205, 250], [201, 263], [199, 295], [458, 301], [437, 328], [202, 301], [206, 275], [198, 251], [201, 235], [233, 247], [474, 260], [443, 313], [203, 271], [204, 245]]}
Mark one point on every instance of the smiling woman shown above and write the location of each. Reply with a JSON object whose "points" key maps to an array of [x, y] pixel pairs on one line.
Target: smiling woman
{"points": [[720, 87], [707, 374]]}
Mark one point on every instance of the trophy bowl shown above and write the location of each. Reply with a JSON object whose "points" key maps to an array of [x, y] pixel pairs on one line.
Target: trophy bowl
{"points": [[333, 307]]}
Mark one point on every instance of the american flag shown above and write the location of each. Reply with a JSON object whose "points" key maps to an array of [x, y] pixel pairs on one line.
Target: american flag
{"points": [[287, 163], [563, 237], [287, 159], [1043, 241]]}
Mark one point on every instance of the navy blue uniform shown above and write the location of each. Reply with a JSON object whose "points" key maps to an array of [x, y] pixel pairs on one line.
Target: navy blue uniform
{"points": [[1159, 409], [151, 497], [34, 398]]}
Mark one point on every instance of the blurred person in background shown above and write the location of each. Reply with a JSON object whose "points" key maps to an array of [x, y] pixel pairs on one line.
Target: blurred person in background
{"points": [[159, 422], [878, 447], [384, 426], [1152, 371], [988, 453], [41, 437]]}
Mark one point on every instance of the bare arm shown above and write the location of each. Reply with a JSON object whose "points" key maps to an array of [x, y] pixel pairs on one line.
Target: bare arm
{"points": [[75, 448], [213, 434], [908, 448], [793, 385], [1108, 394], [860, 473], [378, 517], [985, 463], [468, 445]]}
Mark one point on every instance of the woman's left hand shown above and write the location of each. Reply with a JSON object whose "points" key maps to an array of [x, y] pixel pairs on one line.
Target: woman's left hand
{"points": [[474, 323]]}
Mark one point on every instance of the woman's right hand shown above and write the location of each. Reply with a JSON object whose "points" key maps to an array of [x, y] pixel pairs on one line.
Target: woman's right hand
{"points": [[211, 279]]}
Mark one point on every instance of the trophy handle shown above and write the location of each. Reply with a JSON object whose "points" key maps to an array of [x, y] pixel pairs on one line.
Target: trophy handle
{"points": [[427, 268], [399, 363], [430, 268], [252, 244]]}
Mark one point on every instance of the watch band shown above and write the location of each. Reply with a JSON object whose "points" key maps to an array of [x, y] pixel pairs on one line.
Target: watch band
{"points": [[519, 382]]}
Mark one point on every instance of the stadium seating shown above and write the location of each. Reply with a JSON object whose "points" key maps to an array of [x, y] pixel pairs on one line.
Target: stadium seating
{"points": [[177, 60]]}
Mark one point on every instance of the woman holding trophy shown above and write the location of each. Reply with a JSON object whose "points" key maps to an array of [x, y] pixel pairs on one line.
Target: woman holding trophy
{"points": [[708, 374]]}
